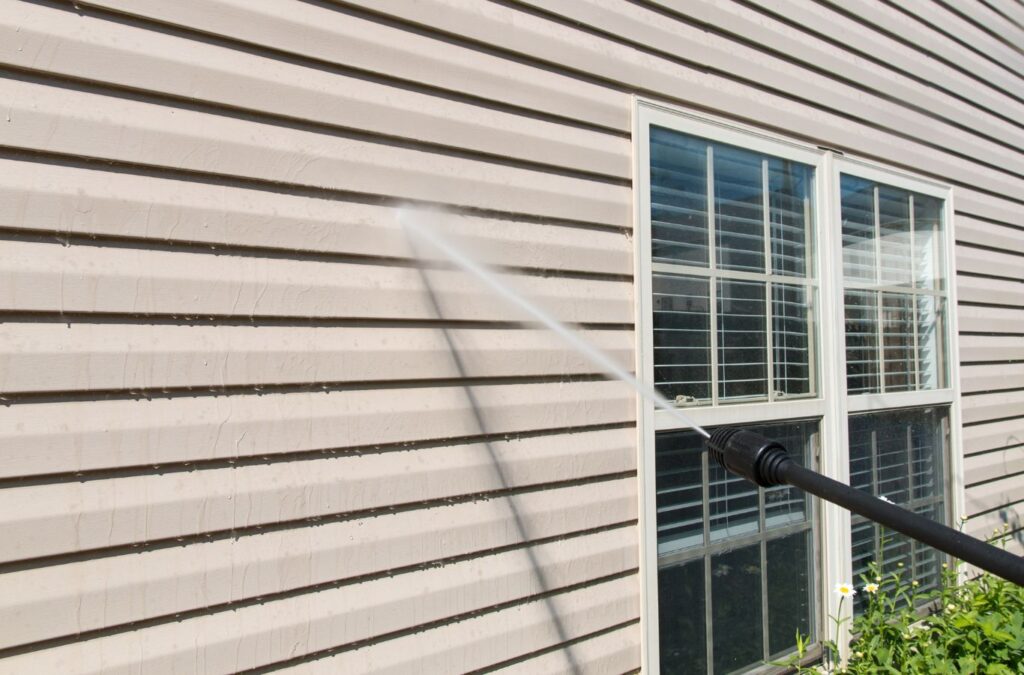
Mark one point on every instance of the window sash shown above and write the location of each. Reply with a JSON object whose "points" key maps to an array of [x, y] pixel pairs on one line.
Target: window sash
{"points": [[723, 367]]}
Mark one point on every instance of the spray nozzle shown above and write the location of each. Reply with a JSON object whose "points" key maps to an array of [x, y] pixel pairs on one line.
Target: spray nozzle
{"points": [[748, 454]]}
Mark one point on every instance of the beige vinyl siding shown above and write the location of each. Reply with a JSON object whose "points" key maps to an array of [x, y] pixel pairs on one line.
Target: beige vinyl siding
{"points": [[242, 430]]}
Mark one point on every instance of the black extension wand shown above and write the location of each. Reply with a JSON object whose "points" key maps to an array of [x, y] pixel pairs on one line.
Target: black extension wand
{"points": [[766, 463]]}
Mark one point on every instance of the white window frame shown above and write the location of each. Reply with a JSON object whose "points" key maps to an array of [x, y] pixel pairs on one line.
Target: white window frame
{"points": [[830, 405]]}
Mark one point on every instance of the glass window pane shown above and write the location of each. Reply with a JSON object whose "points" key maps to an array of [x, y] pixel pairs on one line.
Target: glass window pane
{"points": [[927, 560], [892, 452], [791, 339], [742, 340], [681, 629], [785, 505], [739, 209], [861, 342], [898, 342], [679, 217], [894, 260], [790, 186], [928, 242], [927, 432], [789, 606], [892, 237], [930, 316], [736, 609], [682, 336], [857, 208], [899, 455], [732, 504], [734, 568], [680, 495]]}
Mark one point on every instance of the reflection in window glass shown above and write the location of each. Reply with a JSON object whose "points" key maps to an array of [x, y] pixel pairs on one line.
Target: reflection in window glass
{"points": [[892, 254], [680, 495], [749, 547], [682, 336], [931, 367], [928, 243], [736, 608], [898, 342], [742, 340], [858, 215], [789, 590], [730, 248], [894, 260], [681, 635], [739, 209], [679, 216], [791, 339], [898, 455], [733, 504], [861, 342], [789, 199]]}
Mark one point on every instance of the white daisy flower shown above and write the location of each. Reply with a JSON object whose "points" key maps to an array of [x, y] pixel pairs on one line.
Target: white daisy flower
{"points": [[870, 588], [846, 590]]}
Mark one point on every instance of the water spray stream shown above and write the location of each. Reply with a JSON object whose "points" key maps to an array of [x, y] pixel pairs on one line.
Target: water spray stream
{"points": [[426, 234]]}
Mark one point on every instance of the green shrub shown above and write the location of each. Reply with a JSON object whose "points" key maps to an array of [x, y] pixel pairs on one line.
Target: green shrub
{"points": [[968, 628]]}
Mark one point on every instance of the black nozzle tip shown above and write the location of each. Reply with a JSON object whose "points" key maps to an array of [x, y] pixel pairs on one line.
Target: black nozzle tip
{"points": [[750, 455]]}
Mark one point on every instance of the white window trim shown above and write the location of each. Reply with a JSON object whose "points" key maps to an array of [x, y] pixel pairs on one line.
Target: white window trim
{"points": [[831, 403]]}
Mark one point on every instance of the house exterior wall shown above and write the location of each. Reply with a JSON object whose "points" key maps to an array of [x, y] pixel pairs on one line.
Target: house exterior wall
{"points": [[235, 434]]}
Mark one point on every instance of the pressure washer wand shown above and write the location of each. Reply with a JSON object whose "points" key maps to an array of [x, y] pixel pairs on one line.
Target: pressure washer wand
{"points": [[766, 463]]}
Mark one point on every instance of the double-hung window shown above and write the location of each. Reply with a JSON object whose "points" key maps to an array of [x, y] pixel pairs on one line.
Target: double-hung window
{"points": [[895, 251], [804, 296]]}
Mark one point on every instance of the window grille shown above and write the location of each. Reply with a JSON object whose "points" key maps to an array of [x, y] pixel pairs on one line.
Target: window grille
{"points": [[733, 320]]}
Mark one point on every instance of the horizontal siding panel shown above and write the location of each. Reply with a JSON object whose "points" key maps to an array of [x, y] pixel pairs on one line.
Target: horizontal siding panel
{"points": [[82, 357], [1013, 13], [476, 643], [995, 494], [74, 436], [570, 47], [845, 60], [1006, 320], [992, 406], [993, 263], [48, 277], [615, 652], [866, 41], [71, 201], [578, 50], [991, 291], [66, 599], [982, 437], [113, 53], [46, 520], [992, 526], [993, 377], [973, 231], [933, 43], [262, 634], [356, 43], [125, 130], [958, 21], [994, 22], [654, 31], [987, 348], [993, 465]]}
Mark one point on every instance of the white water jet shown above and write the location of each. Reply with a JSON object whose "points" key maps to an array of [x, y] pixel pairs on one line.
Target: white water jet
{"points": [[420, 231]]}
